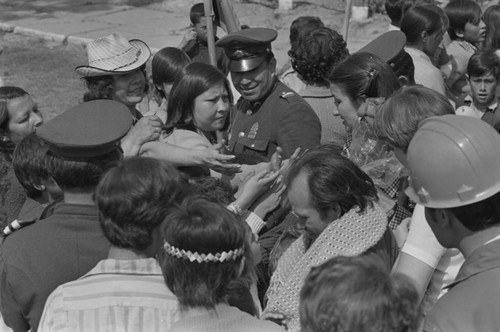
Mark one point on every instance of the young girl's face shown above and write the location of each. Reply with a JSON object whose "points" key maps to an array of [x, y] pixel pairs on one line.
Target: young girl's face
{"points": [[211, 108], [475, 33], [24, 117], [346, 106]]}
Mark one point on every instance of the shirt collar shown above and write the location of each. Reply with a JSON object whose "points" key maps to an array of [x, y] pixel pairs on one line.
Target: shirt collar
{"points": [[143, 266], [468, 100], [483, 259]]}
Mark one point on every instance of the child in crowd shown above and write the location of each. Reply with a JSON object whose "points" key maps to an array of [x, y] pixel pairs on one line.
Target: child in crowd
{"points": [[166, 68], [195, 43], [29, 161], [357, 294], [483, 73], [467, 31], [491, 19], [133, 198], [395, 10], [424, 30], [206, 248]]}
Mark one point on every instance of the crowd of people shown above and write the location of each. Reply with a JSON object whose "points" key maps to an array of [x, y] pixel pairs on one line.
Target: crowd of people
{"points": [[356, 192]]}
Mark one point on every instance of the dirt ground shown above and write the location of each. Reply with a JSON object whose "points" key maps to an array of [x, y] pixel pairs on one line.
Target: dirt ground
{"points": [[250, 12]]}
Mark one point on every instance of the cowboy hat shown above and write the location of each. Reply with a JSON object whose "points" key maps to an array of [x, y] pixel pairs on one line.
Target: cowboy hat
{"points": [[113, 55]]}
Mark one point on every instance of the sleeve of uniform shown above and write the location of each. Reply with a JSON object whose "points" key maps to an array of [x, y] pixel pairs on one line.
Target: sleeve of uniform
{"points": [[22, 301], [54, 317], [299, 126], [12, 312]]}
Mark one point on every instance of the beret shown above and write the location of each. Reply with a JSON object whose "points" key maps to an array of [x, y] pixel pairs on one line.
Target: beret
{"points": [[246, 49], [387, 46], [88, 130]]}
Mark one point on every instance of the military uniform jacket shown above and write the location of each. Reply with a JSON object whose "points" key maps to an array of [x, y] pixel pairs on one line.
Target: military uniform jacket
{"points": [[34, 260], [283, 119]]}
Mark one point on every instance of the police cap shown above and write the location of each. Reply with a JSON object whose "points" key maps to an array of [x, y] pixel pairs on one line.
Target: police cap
{"points": [[388, 46], [88, 130], [246, 49]]}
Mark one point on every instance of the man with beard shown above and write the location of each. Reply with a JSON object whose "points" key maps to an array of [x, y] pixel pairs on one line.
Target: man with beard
{"points": [[336, 205]]}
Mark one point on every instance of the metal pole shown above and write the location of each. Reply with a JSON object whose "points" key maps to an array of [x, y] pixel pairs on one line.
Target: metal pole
{"points": [[209, 14], [347, 17]]}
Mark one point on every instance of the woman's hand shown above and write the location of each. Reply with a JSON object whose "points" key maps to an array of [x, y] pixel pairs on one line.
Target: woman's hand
{"points": [[145, 130], [285, 164], [368, 110], [269, 202], [255, 186], [218, 161]]}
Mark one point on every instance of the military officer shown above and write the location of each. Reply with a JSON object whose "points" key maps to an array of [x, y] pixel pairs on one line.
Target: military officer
{"points": [[268, 114], [82, 142]]}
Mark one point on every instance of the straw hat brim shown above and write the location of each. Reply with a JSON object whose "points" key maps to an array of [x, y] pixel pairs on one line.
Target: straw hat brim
{"points": [[145, 53]]}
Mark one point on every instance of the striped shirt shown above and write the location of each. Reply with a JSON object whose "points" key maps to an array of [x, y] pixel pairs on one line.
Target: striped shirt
{"points": [[116, 295]]}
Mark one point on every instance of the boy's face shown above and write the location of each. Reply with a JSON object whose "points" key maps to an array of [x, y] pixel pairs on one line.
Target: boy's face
{"points": [[201, 30], [475, 33], [483, 89]]}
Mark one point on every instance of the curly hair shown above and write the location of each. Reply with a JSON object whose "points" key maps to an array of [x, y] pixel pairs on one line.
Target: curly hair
{"points": [[301, 26], [317, 53]]}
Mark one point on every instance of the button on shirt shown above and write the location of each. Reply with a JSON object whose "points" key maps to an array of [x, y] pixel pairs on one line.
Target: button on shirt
{"points": [[116, 295]]}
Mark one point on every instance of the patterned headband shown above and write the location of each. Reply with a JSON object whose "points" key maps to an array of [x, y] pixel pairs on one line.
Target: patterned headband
{"points": [[203, 258]]}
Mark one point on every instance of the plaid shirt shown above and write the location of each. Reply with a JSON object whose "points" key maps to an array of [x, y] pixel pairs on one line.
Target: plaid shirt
{"points": [[399, 212]]}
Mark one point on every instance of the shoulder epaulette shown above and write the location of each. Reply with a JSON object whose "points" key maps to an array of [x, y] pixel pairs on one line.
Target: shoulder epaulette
{"points": [[15, 225], [286, 95]]}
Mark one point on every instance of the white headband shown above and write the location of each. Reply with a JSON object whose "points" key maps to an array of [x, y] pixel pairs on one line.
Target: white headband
{"points": [[203, 258]]}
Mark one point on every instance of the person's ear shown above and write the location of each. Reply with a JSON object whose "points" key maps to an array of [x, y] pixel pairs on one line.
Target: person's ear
{"points": [[403, 80], [424, 35], [459, 33], [442, 217], [39, 187], [334, 212]]}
